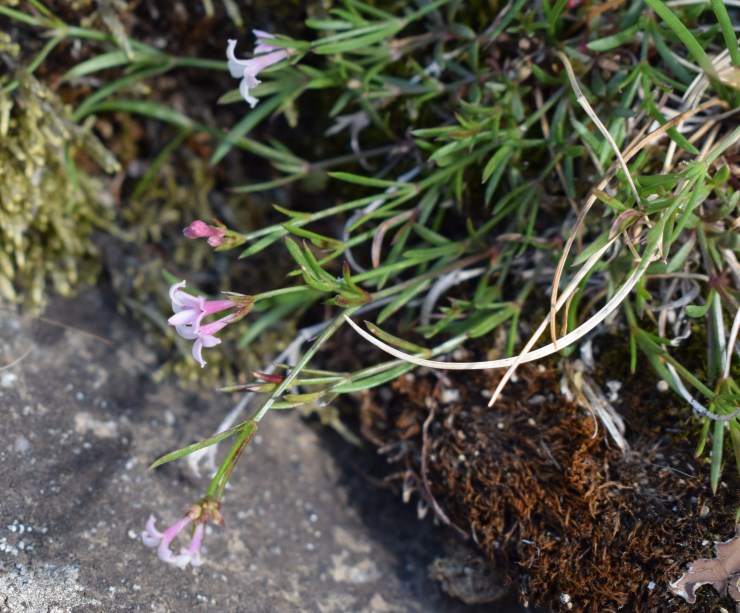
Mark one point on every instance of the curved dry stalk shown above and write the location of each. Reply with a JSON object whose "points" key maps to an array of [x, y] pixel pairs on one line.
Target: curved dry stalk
{"points": [[585, 327], [637, 144], [731, 344], [503, 363], [377, 243], [581, 99], [525, 356]]}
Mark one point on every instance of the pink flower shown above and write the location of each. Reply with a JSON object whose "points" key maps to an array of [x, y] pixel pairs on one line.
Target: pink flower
{"points": [[200, 229], [190, 310], [198, 513], [161, 540], [204, 337], [189, 313], [193, 549], [265, 55]]}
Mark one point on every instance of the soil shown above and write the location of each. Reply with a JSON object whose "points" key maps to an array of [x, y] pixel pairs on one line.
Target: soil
{"points": [[556, 507]]}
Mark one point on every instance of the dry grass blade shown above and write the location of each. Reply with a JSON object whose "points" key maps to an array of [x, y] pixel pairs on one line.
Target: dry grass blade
{"points": [[637, 144], [525, 356], [377, 244], [731, 344], [581, 99], [585, 327]]}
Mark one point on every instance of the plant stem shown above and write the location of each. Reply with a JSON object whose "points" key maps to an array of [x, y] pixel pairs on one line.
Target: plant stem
{"points": [[323, 337]]}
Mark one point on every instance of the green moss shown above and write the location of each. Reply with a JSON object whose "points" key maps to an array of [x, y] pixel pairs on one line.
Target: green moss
{"points": [[48, 204]]}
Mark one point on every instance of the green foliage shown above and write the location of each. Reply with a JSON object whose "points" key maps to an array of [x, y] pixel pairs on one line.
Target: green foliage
{"points": [[510, 132], [578, 153]]}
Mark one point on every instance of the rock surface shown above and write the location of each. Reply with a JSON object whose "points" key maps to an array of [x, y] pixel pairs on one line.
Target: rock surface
{"points": [[82, 419]]}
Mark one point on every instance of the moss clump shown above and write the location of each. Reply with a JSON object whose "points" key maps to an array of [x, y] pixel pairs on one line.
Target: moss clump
{"points": [[48, 203], [557, 508]]}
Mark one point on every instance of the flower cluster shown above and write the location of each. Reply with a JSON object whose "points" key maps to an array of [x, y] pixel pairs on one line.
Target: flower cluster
{"points": [[265, 55], [191, 310], [198, 514]]}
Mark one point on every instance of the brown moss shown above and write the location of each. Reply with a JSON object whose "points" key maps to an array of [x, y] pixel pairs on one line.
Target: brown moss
{"points": [[561, 513]]}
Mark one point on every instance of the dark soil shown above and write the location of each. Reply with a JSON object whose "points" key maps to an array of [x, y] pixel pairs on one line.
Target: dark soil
{"points": [[553, 504]]}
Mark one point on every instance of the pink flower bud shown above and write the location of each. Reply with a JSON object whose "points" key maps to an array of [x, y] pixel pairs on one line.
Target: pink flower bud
{"points": [[200, 229]]}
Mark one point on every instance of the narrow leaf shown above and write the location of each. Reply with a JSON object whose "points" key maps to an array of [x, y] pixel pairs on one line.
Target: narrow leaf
{"points": [[247, 427]]}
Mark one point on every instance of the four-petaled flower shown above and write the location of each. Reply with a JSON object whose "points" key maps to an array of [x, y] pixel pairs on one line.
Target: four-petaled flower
{"points": [[265, 55], [198, 514], [189, 313]]}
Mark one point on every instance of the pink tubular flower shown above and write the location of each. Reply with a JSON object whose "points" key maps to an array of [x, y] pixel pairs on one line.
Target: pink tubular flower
{"points": [[189, 313], [265, 55], [200, 229], [190, 310], [193, 549], [199, 514], [161, 540], [204, 337]]}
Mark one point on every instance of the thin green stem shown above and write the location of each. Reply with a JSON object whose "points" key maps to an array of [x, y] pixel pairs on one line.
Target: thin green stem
{"points": [[281, 292], [309, 218], [216, 487], [286, 383], [393, 149], [21, 17]]}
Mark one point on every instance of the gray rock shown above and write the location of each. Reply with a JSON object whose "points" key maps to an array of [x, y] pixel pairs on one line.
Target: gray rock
{"points": [[81, 421]]}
